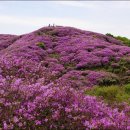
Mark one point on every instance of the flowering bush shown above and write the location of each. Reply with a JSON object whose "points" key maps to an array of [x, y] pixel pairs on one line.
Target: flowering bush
{"points": [[41, 88], [21, 68], [43, 107]]}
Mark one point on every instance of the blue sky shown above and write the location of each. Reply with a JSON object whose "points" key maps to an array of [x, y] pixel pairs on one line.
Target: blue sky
{"points": [[19, 17]]}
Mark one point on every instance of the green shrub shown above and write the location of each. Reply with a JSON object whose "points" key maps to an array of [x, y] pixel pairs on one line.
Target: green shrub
{"points": [[41, 45], [127, 88], [107, 81], [109, 34], [125, 40]]}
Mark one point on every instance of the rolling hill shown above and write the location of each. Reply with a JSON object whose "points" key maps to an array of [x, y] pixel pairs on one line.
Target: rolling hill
{"points": [[44, 74]]}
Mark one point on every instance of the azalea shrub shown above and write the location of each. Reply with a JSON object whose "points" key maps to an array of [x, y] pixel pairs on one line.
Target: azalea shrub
{"points": [[44, 74], [21, 68], [40, 107]]}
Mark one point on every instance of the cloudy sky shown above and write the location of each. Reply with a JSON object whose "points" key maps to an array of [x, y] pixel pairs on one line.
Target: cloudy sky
{"points": [[19, 17]]}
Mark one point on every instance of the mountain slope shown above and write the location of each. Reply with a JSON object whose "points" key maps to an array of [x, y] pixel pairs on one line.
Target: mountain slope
{"points": [[80, 58], [45, 76]]}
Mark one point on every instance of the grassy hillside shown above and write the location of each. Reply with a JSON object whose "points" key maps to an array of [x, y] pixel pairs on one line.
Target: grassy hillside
{"points": [[125, 40]]}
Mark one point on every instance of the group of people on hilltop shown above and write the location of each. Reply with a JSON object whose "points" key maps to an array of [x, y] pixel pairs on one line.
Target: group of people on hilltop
{"points": [[51, 25]]}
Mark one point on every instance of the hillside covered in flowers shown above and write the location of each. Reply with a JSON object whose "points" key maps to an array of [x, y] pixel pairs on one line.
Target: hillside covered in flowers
{"points": [[50, 80]]}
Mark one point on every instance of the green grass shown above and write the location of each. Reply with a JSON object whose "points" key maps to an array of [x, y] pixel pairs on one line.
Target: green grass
{"points": [[41, 45], [54, 55], [127, 89], [111, 94], [71, 65]]}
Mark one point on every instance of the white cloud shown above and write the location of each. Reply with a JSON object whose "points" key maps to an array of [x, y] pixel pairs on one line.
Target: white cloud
{"points": [[21, 25], [37, 22], [4, 19], [34, 21]]}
